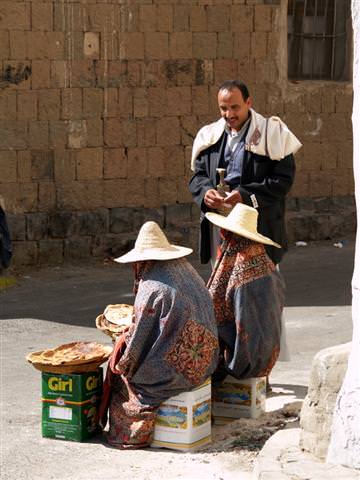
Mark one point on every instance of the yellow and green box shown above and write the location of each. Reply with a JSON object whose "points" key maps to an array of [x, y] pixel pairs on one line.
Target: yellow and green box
{"points": [[70, 405]]}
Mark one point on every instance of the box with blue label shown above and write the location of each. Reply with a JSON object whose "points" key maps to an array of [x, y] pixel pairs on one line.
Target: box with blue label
{"points": [[235, 399], [184, 422]]}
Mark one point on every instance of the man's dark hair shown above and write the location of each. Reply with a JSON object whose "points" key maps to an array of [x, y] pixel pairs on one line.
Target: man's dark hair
{"points": [[231, 84]]}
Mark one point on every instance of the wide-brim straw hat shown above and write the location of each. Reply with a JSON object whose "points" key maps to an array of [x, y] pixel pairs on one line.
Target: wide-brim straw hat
{"points": [[242, 220], [152, 244]]}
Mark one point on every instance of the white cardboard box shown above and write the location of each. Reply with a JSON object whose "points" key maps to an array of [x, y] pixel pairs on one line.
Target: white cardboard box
{"points": [[238, 398], [184, 422]]}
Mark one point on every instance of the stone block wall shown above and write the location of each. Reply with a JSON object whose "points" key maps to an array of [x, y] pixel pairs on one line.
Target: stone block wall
{"points": [[100, 101]]}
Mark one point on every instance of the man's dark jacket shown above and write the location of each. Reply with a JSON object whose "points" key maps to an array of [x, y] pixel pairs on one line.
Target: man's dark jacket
{"points": [[269, 180]]}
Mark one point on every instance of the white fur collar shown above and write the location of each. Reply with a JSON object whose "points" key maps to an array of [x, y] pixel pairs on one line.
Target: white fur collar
{"points": [[269, 137]]}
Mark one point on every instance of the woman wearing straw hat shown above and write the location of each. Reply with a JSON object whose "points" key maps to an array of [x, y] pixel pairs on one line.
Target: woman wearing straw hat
{"points": [[171, 347], [248, 295]]}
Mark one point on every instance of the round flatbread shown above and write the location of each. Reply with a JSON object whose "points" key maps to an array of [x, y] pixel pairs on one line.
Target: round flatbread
{"points": [[74, 353], [109, 328], [119, 314], [65, 369]]}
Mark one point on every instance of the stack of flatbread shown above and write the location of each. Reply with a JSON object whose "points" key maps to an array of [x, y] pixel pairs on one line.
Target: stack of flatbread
{"points": [[75, 357], [115, 319]]}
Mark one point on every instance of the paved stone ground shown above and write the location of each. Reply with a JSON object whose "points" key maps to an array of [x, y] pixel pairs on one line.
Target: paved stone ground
{"points": [[282, 459]]}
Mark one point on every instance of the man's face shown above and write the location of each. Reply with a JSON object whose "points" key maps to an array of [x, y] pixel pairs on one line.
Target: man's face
{"points": [[233, 108]]}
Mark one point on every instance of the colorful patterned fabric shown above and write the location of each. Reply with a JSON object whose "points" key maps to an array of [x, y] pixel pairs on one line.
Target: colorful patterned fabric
{"points": [[248, 294], [192, 352], [131, 423], [171, 348]]}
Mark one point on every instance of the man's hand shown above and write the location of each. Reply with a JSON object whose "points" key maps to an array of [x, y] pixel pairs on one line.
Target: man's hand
{"points": [[213, 199], [232, 199]]}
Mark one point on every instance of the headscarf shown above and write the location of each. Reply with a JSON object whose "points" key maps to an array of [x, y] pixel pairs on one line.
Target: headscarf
{"points": [[248, 296], [239, 261]]}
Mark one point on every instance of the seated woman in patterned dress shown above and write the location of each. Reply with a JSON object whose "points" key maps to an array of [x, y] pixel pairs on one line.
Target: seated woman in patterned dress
{"points": [[172, 345], [248, 294]]}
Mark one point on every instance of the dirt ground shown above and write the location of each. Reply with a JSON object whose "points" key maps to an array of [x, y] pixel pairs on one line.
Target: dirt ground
{"points": [[59, 304]]}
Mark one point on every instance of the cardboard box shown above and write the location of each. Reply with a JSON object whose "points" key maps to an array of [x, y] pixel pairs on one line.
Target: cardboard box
{"points": [[70, 405], [184, 422], [239, 398]]}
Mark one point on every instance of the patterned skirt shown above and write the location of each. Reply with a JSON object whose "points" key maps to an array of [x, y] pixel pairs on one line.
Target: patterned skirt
{"points": [[131, 424]]}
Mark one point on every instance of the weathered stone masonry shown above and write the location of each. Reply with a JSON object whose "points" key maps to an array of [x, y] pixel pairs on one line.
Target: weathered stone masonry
{"points": [[100, 101]]}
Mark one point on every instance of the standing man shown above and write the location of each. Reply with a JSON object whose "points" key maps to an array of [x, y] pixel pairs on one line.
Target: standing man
{"points": [[257, 155]]}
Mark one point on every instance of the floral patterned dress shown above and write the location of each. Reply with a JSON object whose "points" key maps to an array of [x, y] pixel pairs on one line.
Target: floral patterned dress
{"points": [[171, 348], [248, 294]]}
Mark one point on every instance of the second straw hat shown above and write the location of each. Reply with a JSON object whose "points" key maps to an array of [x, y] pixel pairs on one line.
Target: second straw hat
{"points": [[152, 244], [242, 220]]}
